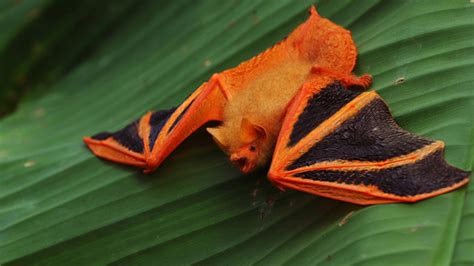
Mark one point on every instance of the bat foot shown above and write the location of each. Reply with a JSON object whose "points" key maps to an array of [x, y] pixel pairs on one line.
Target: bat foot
{"points": [[363, 81], [348, 80]]}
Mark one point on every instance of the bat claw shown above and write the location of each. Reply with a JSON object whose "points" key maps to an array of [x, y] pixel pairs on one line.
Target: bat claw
{"points": [[364, 81], [348, 80]]}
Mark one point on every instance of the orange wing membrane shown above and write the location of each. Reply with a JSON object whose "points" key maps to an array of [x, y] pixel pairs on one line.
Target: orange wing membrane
{"points": [[148, 141], [345, 145]]}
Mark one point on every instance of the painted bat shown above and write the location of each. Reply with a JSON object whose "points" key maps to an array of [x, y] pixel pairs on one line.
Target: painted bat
{"points": [[294, 105]]}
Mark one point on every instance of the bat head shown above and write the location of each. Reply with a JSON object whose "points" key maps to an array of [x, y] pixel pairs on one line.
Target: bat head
{"points": [[246, 145]]}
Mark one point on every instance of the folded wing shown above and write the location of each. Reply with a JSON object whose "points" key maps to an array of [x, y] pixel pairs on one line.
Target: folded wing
{"points": [[345, 145], [147, 141]]}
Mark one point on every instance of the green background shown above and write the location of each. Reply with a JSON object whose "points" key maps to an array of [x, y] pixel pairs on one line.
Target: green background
{"points": [[80, 68]]}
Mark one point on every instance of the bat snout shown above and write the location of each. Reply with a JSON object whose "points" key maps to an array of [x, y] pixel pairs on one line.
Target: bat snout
{"points": [[239, 161], [242, 162]]}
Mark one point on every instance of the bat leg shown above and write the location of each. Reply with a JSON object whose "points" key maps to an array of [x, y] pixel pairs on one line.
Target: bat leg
{"points": [[146, 142], [348, 80]]}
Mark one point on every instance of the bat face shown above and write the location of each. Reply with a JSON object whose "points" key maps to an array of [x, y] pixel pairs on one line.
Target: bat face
{"points": [[248, 145], [245, 158]]}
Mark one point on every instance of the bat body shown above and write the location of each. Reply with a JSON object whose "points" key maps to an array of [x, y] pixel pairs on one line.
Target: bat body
{"points": [[261, 105], [293, 105]]}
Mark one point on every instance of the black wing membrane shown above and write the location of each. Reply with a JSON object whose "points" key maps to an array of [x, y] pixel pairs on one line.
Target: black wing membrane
{"points": [[129, 144], [147, 141], [347, 146]]}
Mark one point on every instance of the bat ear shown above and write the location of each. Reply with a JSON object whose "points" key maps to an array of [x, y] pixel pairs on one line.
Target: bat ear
{"points": [[250, 132], [216, 133]]}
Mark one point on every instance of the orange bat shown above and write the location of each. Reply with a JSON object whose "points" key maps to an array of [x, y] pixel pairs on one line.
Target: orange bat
{"points": [[296, 102]]}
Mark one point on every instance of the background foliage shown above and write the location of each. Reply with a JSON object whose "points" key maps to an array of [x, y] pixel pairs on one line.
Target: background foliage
{"points": [[94, 66]]}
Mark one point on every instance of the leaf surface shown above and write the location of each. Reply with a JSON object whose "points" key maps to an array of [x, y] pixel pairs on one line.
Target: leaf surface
{"points": [[61, 205]]}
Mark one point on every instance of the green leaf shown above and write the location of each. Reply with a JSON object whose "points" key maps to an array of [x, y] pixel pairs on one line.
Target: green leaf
{"points": [[61, 205], [36, 55]]}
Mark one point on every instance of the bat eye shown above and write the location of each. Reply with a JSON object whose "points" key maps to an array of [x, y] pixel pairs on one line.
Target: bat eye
{"points": [[253, 148]]}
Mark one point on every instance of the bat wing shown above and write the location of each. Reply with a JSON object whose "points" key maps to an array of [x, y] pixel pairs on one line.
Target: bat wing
{"points": [[147, 141], [345, 145]]}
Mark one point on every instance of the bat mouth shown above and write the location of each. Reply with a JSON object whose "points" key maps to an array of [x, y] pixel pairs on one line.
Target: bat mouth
{"points": [[240, 162], [243, 164]]}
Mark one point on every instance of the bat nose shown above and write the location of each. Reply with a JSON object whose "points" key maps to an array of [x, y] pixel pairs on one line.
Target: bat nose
{"points": [[239, 161]]}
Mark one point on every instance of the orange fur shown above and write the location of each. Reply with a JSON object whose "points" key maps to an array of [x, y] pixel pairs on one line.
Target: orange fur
{"points": [[261, 88], [257, 91]]}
